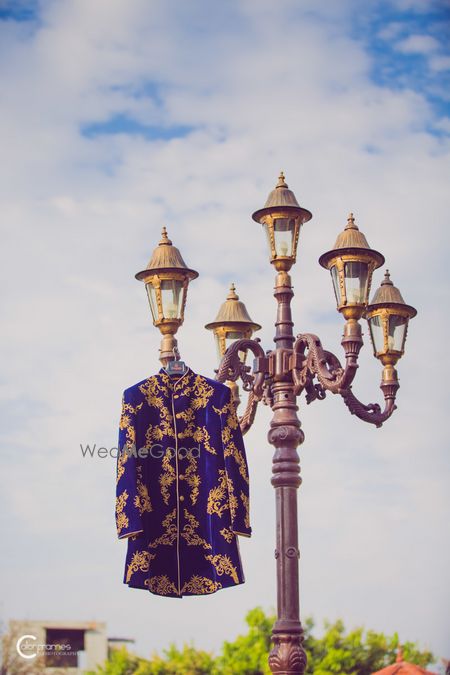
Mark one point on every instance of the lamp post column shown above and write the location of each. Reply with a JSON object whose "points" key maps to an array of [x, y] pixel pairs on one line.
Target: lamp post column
{"points": [[287, 655], [294, 366]]}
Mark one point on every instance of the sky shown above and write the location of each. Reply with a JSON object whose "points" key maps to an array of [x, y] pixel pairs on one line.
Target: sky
{"points": [[118, 118]]}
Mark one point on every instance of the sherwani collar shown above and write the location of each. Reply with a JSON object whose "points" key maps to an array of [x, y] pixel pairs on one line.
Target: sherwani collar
{"points": [[175, 384]]}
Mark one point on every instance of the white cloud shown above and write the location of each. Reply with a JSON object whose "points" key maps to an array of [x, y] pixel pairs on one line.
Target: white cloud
{"points": [[419, 6], [443, 124], [439, 63], [418, 44], [267, 87], [391, 30]]}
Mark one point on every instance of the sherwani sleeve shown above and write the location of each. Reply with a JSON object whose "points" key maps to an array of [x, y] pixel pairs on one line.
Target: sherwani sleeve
{"points": [[236, 468], [128, 515]]}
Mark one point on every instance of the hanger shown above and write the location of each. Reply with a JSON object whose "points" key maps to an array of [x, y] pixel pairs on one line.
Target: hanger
{"points": [[176, 368]]}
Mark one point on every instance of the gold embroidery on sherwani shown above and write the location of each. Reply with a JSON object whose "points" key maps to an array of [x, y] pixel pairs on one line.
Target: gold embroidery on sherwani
{"points": [[227, 534], [246, 502], [218, 498], [230, 449], [223, 565], [193, 538], [169, 536], [200, 392], [192, 478], [199, 434], [167, 477], [161, 585], [140, 561], [142, 499], [122, 520], [190, 474], [152, 389], [230, 408], [232, 498], [126, 425], [120, 465], [199, 585]]}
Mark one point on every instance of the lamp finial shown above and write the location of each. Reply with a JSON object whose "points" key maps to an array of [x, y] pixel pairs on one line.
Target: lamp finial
{"points": [[351, 225], [232, 295], [164, 238], [387, 279], [282, 180]]}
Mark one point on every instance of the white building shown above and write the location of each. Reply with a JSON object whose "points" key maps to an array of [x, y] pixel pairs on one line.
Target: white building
{"points": [[56, 647]]}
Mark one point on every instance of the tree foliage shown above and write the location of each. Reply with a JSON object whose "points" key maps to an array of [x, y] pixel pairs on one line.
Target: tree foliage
{"points": [[335, 652], [358, 652]]}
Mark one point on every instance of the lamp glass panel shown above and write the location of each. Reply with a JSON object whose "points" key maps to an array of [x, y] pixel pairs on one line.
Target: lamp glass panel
{"points": [[376, 333], [284, 230], [356, 278], [218, 340], [267, 231], [336, 287], [397, 332], [151, 293], [171, 297]]}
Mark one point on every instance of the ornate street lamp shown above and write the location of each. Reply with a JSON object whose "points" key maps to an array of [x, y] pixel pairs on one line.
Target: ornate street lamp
{"points": [[388, 316], [351, 264], [232, 323], [300, 364], [282, 218], [166, 279]]}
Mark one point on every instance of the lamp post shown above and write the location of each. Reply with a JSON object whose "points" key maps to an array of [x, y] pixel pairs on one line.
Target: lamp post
{"points": [[296, 365], [300, 364]]}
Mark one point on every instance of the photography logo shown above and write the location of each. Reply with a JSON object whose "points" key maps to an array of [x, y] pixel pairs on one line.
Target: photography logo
{"points": [[28, 649]]}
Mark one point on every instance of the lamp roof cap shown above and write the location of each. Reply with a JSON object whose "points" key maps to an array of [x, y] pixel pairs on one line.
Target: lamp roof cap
{"points": [[233, 311], [351, 236], [388, 295], [387, 292], [282, 198], [166, 257]]}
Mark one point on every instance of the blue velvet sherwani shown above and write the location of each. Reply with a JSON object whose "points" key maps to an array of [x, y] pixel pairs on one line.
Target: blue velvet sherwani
{"points": [[182, 486]]}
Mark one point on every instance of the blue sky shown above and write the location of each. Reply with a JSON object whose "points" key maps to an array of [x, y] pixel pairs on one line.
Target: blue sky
{"points": [[118, 118]]}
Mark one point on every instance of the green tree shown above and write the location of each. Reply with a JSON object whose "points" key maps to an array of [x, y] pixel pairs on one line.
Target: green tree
{"points": [[187, 661], [248, 653], [120, 662], [336, 652], [357, 652]]}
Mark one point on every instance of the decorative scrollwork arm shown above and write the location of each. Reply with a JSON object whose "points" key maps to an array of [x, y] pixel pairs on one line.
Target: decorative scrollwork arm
{"points": [[232, 367], [317, 362], [247, 419], [372, 412], [312, 360]]}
